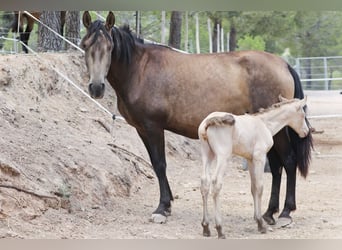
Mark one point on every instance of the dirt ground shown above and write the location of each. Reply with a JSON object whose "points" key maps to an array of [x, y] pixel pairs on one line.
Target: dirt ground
{"points": [[68, 171]]}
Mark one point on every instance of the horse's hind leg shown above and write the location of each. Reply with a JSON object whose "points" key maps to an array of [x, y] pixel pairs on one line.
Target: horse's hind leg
{"points": [[25, 36], [256, 171], [155, 145], [207, 158]]}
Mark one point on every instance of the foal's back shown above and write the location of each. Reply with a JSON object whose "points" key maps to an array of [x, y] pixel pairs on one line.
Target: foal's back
{"points": [[244, 136]]}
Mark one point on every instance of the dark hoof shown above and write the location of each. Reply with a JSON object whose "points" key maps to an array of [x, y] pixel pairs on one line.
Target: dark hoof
{"points": [[206, 233], [262, 230], [206, 230], [269, 219], [222, 237], [219, 232]]}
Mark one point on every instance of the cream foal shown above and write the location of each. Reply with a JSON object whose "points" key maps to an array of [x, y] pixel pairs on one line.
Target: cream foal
{"points": [[250, 136]]}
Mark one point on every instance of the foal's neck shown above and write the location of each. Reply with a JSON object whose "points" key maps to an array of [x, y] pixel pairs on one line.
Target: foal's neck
{"points": [[276, 119]]}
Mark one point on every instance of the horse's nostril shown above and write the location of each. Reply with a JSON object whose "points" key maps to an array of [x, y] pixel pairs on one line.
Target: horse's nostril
{"points": [[96, 90]]}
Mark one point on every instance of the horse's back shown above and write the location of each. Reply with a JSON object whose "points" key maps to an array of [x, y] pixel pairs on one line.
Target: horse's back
{"points": [[185, 88]]}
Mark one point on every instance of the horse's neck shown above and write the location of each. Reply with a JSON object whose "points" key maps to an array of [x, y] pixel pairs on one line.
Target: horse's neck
{"points": [[275, 119]]}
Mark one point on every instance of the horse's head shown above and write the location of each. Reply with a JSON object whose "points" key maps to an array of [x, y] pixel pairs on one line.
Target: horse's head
{"points": [[98, 45], [298, 121]]}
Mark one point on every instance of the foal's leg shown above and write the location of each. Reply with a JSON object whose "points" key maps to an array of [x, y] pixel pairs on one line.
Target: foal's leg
{"points": [[217, 186], [207, 158], [256, 171], [155, 145]]}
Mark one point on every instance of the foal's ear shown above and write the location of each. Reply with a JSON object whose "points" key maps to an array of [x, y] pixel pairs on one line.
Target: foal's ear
{"points": [[282, 99], [303, 101], [86, 19], [110, 21]]}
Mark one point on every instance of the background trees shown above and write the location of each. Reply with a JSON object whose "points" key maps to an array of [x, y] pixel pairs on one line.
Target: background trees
{"points": [[301, 33]]}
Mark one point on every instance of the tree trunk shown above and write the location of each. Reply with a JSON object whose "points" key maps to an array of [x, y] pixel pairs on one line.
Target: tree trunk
{"points": [[175, 29], [47, 40], [72, 28], [232, 38], [186, 32]]}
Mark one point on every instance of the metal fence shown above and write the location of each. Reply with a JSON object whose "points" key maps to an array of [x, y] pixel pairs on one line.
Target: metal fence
{"points": [[320, 73]]}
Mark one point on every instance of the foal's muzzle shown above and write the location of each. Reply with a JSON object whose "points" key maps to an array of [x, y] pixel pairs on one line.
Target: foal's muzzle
{"points": [[96, 90]]}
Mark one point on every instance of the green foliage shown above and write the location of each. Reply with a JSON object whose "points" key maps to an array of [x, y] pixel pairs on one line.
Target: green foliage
{"points": [[251, 43], [305, 33]]}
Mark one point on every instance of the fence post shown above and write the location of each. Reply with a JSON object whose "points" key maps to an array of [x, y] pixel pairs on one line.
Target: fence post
{"points": [[326, 73]]}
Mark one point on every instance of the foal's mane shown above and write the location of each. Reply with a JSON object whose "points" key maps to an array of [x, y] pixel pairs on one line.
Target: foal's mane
{"points": [[275, 106]]}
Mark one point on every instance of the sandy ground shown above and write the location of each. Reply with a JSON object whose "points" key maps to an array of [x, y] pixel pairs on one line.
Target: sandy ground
{"points": [[63, 175]]}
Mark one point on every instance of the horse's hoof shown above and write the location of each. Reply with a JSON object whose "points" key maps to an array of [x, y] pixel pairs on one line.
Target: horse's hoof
{"points": [[269, 219], [284, 222], [158, 218], [222, 237]]}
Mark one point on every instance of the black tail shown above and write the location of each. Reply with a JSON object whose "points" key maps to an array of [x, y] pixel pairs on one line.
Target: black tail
{"points": [[302, 146]]}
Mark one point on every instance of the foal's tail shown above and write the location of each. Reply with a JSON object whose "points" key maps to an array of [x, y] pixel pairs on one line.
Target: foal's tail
{"points": [[227, 119], [302, 146]]}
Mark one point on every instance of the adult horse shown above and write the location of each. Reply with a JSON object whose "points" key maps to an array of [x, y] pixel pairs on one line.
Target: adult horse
{"points": [[20, 17], [159, 88]]}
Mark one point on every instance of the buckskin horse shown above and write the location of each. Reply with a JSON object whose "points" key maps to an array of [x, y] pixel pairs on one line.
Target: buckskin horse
{"points": [[19, 21], [159, 88], [250, 135]]}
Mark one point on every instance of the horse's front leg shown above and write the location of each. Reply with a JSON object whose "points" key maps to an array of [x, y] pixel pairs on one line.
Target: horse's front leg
{"points": [[256, 171], [280, 155], [276, 170], [155, 145], [290, 197]]}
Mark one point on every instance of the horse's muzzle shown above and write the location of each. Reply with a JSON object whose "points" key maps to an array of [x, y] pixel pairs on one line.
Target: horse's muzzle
{"points": [[96, 90]]}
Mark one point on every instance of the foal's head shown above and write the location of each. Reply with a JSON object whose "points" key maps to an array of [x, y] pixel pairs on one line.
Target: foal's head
{"points": [[298, 120], [98, 45]]}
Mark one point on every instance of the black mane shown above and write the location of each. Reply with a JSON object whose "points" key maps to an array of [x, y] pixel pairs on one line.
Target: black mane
{"points": [[124, 43]]}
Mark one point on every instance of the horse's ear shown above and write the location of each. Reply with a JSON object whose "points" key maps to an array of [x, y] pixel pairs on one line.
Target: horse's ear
{"points": [[110, 21], [282, 99], [86, 19]]}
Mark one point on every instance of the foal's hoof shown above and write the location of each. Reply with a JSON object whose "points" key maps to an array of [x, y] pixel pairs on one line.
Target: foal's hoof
{"points": [[206, 230], [284, 222], [262, 230], [158, 218]]}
